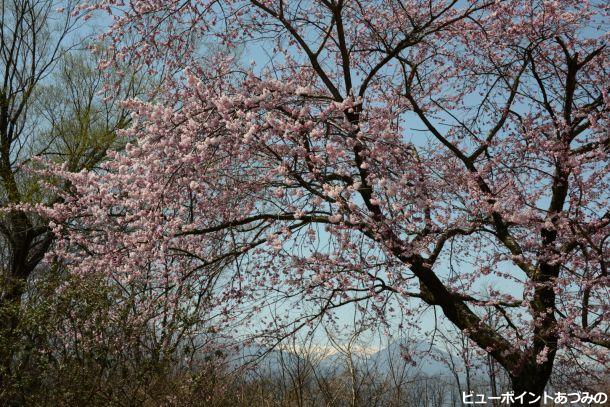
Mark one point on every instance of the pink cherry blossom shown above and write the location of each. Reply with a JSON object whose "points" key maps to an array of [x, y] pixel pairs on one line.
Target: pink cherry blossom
{"points": [[395, 152]]}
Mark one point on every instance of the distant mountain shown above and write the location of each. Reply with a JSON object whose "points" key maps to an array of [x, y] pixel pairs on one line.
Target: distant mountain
{"points": [[267, 362], [416, 358]]}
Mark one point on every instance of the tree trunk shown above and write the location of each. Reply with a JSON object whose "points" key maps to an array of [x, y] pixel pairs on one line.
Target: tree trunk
{"points": [[28, 245], [531, 384], [10, 304], [492, 379]]}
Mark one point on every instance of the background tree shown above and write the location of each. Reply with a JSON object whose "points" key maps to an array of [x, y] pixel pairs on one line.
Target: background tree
{"points": [[33, 39], [22, 31], [52, 105]]}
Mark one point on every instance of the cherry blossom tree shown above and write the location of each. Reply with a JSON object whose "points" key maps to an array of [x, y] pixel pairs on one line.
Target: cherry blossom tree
{"points": [[390, 153]]}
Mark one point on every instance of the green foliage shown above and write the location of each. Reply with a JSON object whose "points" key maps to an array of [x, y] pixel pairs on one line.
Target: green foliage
{"points": [[80, 344], [79, 119]]}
